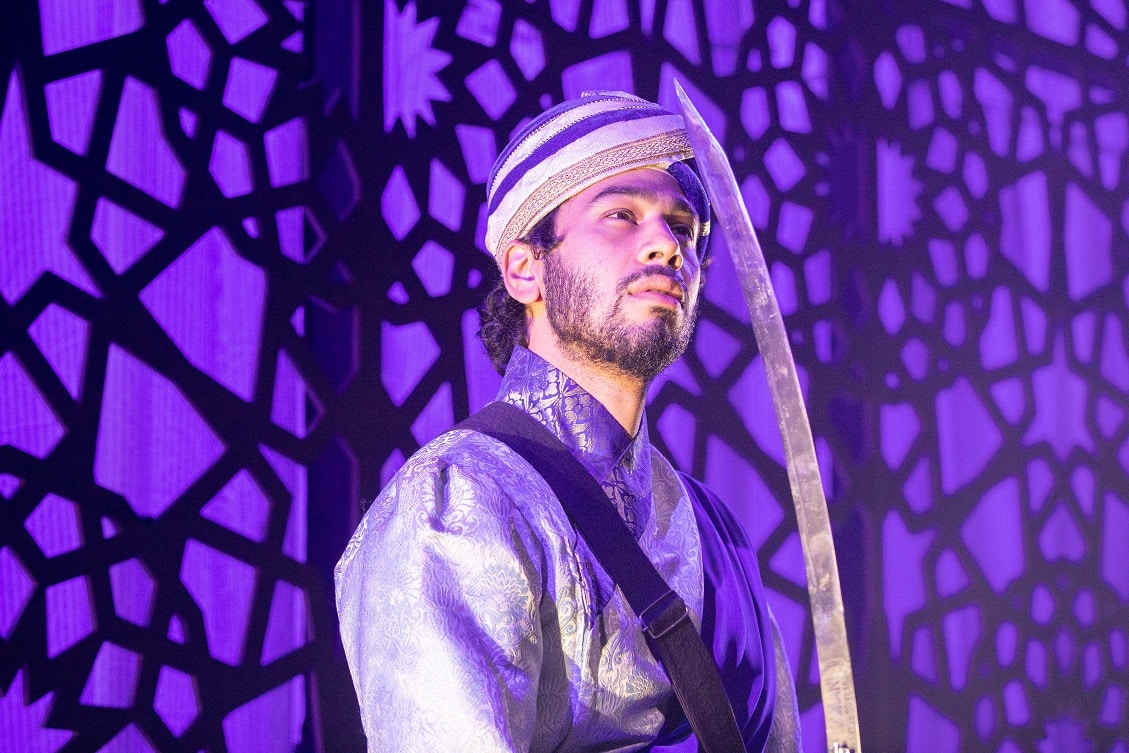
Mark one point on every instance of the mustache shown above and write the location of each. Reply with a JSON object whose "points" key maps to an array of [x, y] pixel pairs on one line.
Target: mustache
{"points": [[657, 270]]}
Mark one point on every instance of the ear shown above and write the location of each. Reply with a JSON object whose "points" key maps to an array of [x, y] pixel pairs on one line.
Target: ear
{"points": [[521, 272]]}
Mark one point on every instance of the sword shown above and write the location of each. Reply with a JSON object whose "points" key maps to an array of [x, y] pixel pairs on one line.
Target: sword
{"points": [[835, 679]]}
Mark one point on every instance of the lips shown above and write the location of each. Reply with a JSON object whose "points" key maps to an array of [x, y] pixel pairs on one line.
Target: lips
{"points": [[656, 285]]}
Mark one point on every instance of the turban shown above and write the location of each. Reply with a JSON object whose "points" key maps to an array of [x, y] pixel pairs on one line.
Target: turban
{"points": [[573, 146]]}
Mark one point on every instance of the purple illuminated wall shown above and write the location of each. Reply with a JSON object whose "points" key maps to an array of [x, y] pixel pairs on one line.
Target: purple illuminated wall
{"points": [[941, 188], [157, 219], [232, 303]]}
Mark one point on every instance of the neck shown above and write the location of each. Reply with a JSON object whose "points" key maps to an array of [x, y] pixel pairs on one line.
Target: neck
{"points": [[622, 395]]}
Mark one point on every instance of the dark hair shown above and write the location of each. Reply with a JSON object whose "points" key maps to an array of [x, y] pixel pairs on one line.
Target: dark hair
{"points": [[502, 319]]}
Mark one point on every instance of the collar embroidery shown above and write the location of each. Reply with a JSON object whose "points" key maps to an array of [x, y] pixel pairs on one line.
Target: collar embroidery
{"points": [[621, 463]]}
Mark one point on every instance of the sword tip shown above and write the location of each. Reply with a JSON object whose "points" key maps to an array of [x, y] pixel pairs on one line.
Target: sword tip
{"points": [[701, 138], [683, 97]]}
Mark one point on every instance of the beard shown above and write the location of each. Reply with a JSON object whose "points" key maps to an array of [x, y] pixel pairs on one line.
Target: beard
{"points": [[608, 339]]}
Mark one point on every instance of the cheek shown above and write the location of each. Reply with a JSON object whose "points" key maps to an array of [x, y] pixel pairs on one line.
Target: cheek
{"points": [[694, 288]]}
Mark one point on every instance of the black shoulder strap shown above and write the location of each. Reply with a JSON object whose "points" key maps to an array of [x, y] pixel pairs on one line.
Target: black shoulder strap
{"points": [[665, 618]]}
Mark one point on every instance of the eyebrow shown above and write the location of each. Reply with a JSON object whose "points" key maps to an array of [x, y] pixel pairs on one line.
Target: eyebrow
{"points": [[680, 205]]}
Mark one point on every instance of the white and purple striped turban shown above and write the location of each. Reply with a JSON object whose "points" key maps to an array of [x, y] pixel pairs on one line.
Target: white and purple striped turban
{"points": [[573, 146]]}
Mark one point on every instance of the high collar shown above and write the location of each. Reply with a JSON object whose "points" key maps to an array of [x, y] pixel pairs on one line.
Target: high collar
{"points": [[580, 422]]}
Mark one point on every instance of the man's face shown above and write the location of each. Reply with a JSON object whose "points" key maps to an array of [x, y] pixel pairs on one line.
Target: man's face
{"points": [[621, 289]]}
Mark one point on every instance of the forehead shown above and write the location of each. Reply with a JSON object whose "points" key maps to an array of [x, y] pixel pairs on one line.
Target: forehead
{"points": [[645, 183]]}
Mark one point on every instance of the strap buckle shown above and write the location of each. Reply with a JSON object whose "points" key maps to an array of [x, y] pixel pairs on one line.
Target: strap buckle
{"points": [[664, 614]]}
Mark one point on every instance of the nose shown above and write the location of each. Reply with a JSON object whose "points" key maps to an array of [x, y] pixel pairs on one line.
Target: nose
{"points": [[661, 246]]}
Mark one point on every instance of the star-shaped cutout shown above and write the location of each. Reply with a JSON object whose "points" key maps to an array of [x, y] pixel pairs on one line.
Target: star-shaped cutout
{"points": [[22, 727], [35, 209], [410, 68]]}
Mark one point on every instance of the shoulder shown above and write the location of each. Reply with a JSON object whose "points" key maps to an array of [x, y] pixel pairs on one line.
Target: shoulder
{"points": [[463, 485], [460, 468], [468, 459], [469, 450]]}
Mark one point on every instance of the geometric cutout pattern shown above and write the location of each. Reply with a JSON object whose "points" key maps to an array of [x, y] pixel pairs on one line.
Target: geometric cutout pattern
{"points": [[286, 623], [190, 57], [18, 588], [255, 720], [222, 587], [944, 205], [186, 290], [140, 153], [70, 107], [240, 506], [122, 236], [176, 700], [70, 614], [132, 739], [34, 242], [24, 725], [230, 165], [145, 154], [54, 524], [67, 27], [294, 406], [133, 588], [27, 422], [62, 337], [150, 472], [112, 682]]}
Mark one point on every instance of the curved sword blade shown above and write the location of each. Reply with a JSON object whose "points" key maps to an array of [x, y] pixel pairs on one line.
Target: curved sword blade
{"points": [[835, 677]]}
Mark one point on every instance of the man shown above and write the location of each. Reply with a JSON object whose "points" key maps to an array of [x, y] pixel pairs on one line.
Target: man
{"points": [[472, 614]]}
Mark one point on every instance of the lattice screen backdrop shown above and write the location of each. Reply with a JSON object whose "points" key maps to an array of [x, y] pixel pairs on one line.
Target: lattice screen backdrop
{"points": [[232, 303], [156, 207]]}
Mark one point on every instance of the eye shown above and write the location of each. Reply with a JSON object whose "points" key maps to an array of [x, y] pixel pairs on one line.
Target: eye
{"points": [[683, 231], [622, 214]]}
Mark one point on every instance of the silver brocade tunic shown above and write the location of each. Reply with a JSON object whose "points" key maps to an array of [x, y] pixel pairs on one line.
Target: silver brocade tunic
{"points": [[472, 616]]}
